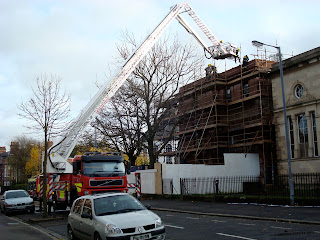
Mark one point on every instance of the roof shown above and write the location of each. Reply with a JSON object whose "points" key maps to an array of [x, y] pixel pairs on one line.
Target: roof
{"points": [[111, 158], [101, 195], [303, 58], [17, 190]]}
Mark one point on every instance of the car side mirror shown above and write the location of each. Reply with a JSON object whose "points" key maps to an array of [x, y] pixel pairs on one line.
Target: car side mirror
{"points": [[86, 215]]}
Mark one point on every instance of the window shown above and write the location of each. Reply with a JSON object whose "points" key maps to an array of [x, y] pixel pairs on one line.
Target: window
{"points": [[169, 159], [17, 194], [115, 204], [303, 135], [291, 136], [245, 89], [228, 94], [298, 91], [231, 139], [314, 135], [87, 207], [96, 167], [168, 148], [77, 206]]}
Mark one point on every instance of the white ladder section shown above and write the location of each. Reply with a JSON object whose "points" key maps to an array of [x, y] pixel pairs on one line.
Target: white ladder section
{"points": [[218, 50], [201, 25], [63, 150]]}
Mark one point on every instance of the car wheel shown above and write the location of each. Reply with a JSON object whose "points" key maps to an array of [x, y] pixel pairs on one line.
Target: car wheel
{"points": [[97, 236], [5, 212], [71, 235]]}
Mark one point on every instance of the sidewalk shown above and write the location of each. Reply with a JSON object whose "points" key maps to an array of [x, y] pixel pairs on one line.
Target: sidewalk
{"points": [[297, 214]]}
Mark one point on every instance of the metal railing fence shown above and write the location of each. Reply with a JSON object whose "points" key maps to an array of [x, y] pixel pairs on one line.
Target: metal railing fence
{"points": [[305, 185]]}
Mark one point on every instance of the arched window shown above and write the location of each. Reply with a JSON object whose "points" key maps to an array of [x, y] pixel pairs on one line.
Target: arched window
{"points": [[298, 91]]}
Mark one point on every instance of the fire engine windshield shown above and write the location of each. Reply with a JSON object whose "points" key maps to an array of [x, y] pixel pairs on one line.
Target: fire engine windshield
{"points": [[103, 168]]}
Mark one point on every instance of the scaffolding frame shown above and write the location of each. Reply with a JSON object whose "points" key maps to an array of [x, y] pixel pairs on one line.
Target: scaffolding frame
{"points": [[230, 113]]}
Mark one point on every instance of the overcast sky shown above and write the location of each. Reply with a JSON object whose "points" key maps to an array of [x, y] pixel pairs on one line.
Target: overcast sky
{"points": [[76, 40]]}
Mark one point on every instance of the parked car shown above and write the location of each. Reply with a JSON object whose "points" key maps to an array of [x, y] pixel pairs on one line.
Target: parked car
{"points": [[113, 216], [16, 201]]}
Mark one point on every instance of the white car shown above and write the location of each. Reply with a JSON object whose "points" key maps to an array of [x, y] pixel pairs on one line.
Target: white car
{"points": [[113, 216], [15, 201]]}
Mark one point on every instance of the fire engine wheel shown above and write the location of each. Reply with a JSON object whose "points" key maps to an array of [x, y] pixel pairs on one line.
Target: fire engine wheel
{"points": [[97, 236], [71, 235]]}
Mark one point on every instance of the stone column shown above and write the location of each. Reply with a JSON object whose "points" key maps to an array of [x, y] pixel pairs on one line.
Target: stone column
{"points": [[158, 178], [295, 136], [310, 138]]}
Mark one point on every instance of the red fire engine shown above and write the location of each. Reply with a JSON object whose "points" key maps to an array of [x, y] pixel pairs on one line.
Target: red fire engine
{"points": [[92, 173]]}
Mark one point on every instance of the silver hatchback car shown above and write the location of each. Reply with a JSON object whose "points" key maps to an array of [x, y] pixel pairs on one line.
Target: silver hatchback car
{"points": [[113, 216]]}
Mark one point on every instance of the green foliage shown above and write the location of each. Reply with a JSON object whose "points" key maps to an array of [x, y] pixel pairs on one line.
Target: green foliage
{"points": [[32, 164]]}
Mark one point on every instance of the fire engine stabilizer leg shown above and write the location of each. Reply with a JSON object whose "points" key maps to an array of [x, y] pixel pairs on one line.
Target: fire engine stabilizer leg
{"points": [[40, 205], [49, 207]]}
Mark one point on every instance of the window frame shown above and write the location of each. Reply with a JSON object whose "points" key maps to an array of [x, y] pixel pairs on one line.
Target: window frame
{"points": [[228, 94], [291, 137], [245, 89], [85, 206], [298, 89], [314, 134], [75, 206], [304, 131]]}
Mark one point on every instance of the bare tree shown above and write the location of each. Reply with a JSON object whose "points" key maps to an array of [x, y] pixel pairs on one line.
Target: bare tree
{"points": [[120, 123], [91, 139], [156, 82], [47, 111]]}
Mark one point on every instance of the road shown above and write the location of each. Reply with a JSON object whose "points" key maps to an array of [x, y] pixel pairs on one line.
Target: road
{"points": [[13, 229], [191, 226]]}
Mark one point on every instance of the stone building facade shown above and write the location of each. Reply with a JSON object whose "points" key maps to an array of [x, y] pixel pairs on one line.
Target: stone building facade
{"points": [[4, 169], [302, 96]]}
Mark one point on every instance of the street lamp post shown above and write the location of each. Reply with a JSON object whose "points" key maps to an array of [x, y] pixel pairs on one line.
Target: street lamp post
{"points": [[291, 189]]}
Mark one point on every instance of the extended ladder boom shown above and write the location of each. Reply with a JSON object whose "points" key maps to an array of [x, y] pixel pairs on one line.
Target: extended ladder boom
{"points": [[59, 153]]}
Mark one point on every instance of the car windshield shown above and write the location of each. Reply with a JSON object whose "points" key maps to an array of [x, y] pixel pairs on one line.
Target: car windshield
{"points": [[17, 194], [116, 204], [103, 168]]}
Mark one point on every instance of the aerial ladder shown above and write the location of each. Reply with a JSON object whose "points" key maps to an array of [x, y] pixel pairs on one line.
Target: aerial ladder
{"points": [[60, 151]]}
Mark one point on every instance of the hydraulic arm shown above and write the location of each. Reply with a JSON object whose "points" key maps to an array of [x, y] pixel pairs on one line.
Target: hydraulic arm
{"points": [[59, 153]]}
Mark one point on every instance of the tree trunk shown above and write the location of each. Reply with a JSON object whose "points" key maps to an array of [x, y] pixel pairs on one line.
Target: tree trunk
{"points": [[152, 156], [132, 159], [44, 195]]}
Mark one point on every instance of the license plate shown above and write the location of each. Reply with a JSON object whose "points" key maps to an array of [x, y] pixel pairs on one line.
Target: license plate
{"points": [[142, 237]]}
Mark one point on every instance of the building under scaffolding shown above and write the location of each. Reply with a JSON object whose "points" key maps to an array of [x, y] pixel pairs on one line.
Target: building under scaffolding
{"points": [[229, 113]]}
